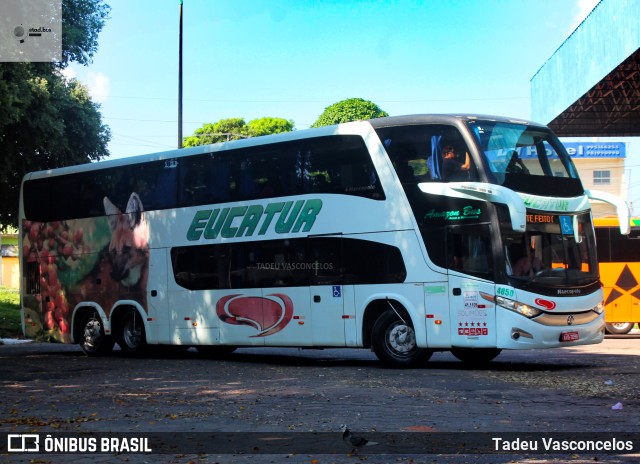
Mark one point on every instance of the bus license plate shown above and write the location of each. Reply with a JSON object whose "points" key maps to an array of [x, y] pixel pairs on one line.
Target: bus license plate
{"points": [[569, 336]]}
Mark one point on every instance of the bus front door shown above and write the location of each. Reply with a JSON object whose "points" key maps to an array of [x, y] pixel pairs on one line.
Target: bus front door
{"points": [[473, 316], [328, 314], [328, 295]]}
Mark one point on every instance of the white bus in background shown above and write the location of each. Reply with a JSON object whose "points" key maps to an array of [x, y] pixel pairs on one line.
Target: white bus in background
{"points": [[405, 235]]}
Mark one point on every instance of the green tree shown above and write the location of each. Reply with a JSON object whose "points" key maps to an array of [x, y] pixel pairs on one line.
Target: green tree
{"points": [[268, 125], [352, 109], [82, 21], [221, 131], [46, 120], [236, 128]]}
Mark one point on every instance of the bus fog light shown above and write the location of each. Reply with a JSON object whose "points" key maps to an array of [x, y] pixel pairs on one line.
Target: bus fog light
{"points": [[516, 333]]}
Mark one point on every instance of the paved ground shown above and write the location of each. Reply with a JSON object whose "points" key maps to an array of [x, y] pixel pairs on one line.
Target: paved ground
{"points": [[55, 388]]}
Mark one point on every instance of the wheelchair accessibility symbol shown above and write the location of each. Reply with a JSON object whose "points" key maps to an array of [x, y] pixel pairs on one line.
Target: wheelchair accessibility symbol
{"points": [[566, 224], [337, 291]]}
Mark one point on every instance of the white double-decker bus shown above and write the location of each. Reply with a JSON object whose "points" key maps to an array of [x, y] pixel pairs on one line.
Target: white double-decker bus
{"points": [[406, 235]]}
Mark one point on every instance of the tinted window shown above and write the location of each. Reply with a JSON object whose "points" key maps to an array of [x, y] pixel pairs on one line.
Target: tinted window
{"points": [[617, 248], [466, 249], [81, 195], [206, 267], [339, 164], [417, 153], [287, 263], [336, 164], [469, 250]]}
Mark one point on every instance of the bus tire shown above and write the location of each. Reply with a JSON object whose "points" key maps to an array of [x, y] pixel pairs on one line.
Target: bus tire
{"points": [[476, 356], [394, 342], [93, 340], [618, 328], [131, 336]]}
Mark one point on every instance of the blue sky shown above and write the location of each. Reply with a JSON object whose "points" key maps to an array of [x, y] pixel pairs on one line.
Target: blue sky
{"points": [[293, 58]]}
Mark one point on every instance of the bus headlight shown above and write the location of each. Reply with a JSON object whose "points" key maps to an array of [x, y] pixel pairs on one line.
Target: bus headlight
{"points": [[599, 308], [516, 306]]}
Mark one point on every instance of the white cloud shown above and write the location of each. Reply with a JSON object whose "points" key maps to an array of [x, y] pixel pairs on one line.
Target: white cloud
{"points": [[69, 73], [584, 7], [98, 84]]}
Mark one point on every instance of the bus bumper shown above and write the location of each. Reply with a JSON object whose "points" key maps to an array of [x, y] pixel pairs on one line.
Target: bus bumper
{"points": [[517, 332]]}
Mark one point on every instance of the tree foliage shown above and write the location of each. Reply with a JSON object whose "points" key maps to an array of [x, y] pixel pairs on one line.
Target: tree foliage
{"points": [[82, 21], [46, 120], [352, 109], [268, 125], [236, 128]]}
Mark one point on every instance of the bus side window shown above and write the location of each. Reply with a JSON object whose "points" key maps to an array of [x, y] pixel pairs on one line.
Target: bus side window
{"points": [[435, 240], [200, 268], [338, 165], [156, 184], [470, 250], [204, 179], [325, 260], [373, 262]]}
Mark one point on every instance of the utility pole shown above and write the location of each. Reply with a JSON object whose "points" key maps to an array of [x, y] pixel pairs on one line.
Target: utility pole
{"points": [[180, 82]]}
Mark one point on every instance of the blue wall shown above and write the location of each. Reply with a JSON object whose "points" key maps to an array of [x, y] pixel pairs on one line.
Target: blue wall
{"points": [[609, 35]]}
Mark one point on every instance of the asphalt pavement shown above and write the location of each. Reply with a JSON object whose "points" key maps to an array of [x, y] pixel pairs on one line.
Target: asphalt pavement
{"points": [[270, 395]]}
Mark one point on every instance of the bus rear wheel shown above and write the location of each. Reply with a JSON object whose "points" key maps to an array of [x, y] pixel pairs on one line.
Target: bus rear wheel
{"points": [[618, 328], [131, 337], [394, 342], [476, 355], [93, 340]]}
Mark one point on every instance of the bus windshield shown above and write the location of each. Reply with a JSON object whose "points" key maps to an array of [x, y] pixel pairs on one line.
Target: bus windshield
{"points": [[515, 152], [556, 250], [512, 154]]}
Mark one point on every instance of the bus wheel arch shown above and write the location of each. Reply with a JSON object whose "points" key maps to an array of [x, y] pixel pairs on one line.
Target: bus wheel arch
{"points": [[129, 330], [388, 329], [89, 332]]}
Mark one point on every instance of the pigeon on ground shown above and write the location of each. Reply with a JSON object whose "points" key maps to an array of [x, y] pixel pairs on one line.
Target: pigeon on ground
{"points": [[353, 441]]}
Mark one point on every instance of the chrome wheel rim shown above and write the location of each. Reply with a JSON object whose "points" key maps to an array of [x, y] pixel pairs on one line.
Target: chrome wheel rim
{"points": [[401, 339]]}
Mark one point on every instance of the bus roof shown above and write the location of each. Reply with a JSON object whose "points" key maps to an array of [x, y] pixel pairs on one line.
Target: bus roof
{"points": [[282, 137], [443, 118]]}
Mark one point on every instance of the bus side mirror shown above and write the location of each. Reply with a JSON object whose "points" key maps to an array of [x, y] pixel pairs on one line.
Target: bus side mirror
{"points": [[622, 209]]}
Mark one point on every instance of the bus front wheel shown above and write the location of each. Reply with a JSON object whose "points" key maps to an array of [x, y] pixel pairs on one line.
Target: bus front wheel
{"points": [[93, 340], [132, 338], [394, 342], [618, 328]]}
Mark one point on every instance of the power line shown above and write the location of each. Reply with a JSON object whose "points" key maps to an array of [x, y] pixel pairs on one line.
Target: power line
{"points": [[235, 100]]}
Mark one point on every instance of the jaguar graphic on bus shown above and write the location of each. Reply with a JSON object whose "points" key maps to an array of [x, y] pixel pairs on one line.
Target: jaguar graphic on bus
{"points": [[405, 235]]}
